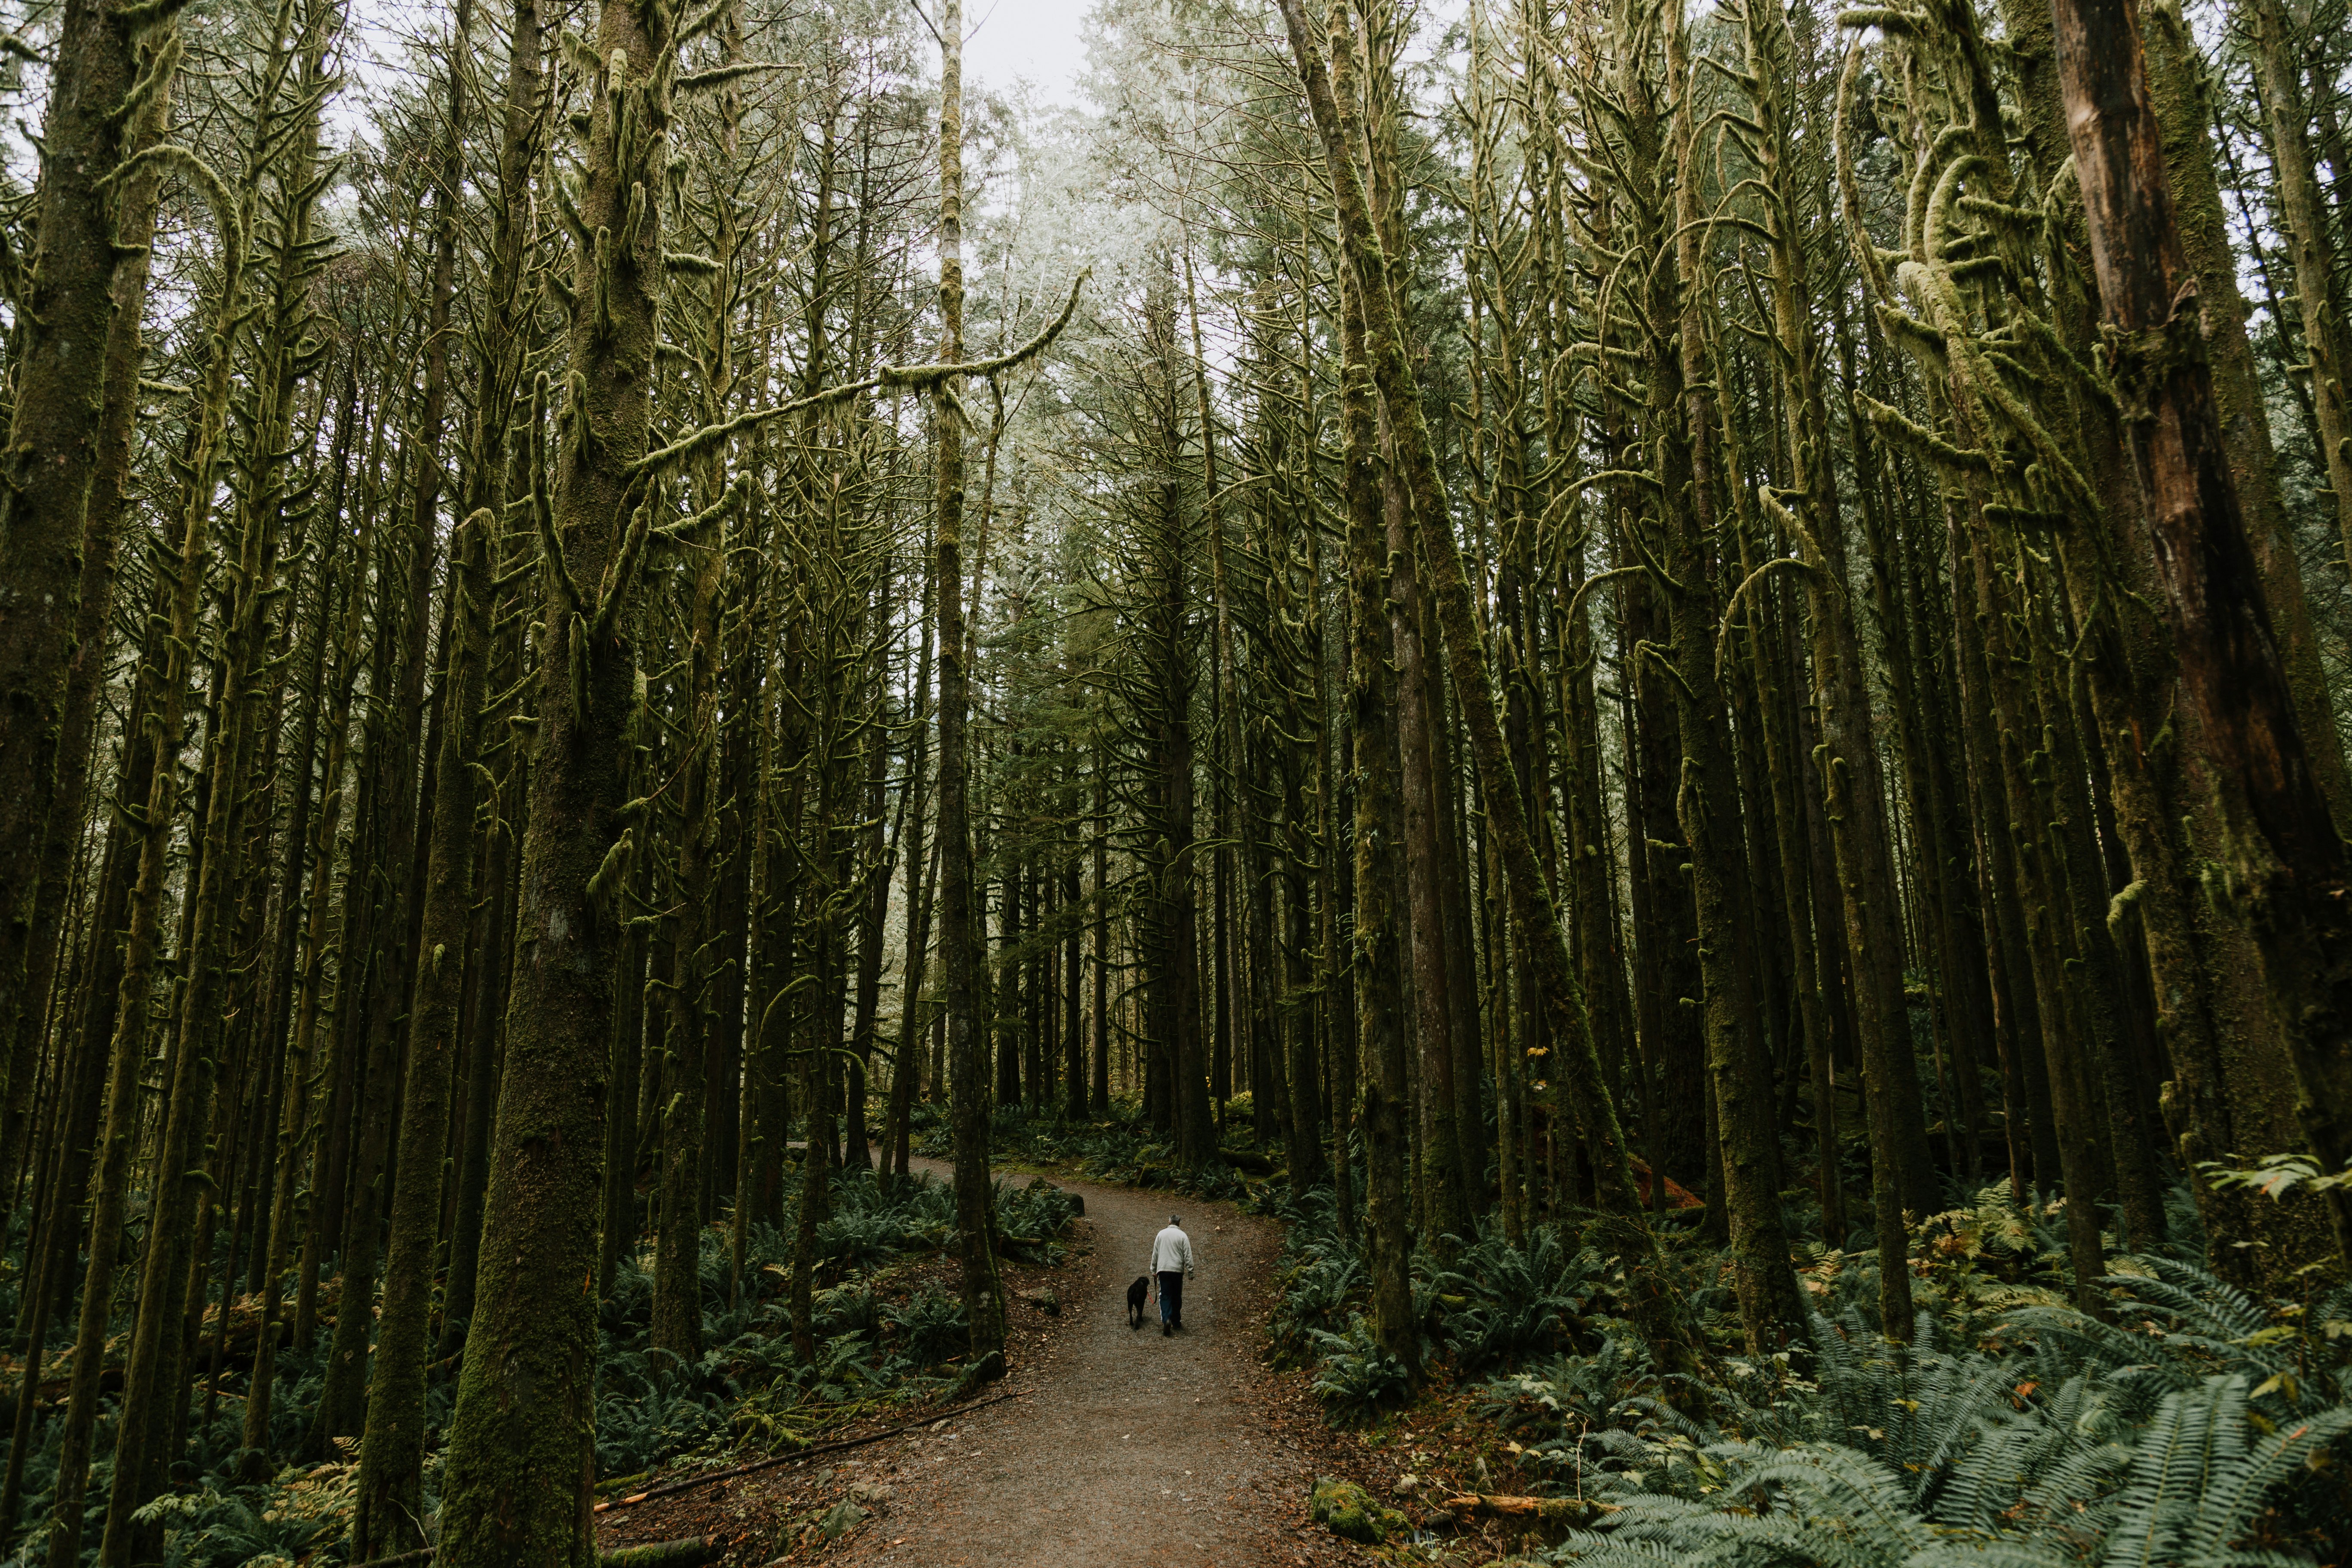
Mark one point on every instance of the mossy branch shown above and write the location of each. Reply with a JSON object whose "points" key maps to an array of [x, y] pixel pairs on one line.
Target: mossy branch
{"points": [[1885, 18], [687, 528], [147, 15], [1576, 600], [1731, 605], [720, 75], [561, 588], [197, 173], [1892, 421], [910, 378]]}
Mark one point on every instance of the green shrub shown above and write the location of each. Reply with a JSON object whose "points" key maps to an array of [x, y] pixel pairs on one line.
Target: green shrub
{"points": [[1348, 1510], [931, 1327], [1504, 1304], [1354, 1377]]}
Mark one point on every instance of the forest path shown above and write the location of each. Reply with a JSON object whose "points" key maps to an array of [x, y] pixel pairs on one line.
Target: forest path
{"points": [[1128, 1446]]}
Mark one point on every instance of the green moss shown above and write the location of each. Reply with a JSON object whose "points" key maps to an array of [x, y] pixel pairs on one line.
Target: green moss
{"points": [[1349, 1510], [840, 1520]]}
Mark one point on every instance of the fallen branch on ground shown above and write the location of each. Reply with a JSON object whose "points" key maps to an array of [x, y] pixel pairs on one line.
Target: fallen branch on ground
{"points": [[694, 1552], [1543, 1510], [689, 1554], [771, 1462]]}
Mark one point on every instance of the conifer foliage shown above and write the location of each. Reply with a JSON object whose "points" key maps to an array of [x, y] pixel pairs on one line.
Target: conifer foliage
{"points": [[1651, 659]]}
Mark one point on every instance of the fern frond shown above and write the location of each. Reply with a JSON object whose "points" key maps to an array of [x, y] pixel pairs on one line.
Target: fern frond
{"points": [[1869, 1498], [2236, 1492], [2196, 1434]]}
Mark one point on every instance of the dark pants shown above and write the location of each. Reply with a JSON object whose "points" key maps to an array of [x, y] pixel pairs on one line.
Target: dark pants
{"points": [[1171, 1296]]}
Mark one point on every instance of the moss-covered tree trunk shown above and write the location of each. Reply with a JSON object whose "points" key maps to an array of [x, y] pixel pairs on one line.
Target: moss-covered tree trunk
{"points": [[2181, 95], [923, 883], [2302, 206], [967, 1041], [398, 757], [150, 1394], [1457, 616], [1098, 1093], [301, 1133], [390, 1504], [677, 1253], [515, 1484], [1375, 956], [1550, 973], [110, 90], [1707, 798], [498, 471], [89, 1026], [1903, 1179], [2285, 860]]}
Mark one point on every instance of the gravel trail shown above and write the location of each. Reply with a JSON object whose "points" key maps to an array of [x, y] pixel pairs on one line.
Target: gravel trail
{"points": [[1128, 1446]]}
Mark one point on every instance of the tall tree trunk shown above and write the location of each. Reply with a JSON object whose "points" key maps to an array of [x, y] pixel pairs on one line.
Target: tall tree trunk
{"points": [[111, 91], [391, 1480], [2287, 859], [1465, 656], [1374, 956], [142, 1445], [131, 224], [907, 1051], [2326, 341], [1707, 801], [399, 743], [515, 1484], [676, 1324], [982, 1288], [1098, 1096]]}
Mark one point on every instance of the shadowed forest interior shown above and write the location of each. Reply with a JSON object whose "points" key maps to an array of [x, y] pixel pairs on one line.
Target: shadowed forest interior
{"points": [[1674, 675]]}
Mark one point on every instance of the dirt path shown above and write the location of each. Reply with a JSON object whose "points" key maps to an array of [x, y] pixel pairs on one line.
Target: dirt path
{"points": [[1128, 1446]]}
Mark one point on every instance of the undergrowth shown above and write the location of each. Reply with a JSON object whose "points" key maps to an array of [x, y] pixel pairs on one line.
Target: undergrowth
{"points": [[1121, 1149], [2192, 1424], [882, 1336]]}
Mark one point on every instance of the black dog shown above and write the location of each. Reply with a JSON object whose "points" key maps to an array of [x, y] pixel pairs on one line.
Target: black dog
{"points": [[1137, 1295]]}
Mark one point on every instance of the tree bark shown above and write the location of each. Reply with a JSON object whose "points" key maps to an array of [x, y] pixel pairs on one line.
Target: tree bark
{"points": [[515, 1484], [982, 1288], [2286, 861], [87, 289]]}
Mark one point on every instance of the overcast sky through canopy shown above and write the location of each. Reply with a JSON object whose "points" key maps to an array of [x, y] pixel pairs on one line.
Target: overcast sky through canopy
{"points": [[1006, 40]]}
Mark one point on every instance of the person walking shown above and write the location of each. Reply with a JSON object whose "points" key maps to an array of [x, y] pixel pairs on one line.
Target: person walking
{"points": [[1172, 1264]]}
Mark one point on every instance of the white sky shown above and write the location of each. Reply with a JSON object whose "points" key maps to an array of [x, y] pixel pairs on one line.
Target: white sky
{"points": [[1038, 41]]}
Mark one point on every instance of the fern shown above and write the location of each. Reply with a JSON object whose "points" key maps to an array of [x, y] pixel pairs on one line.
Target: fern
{"points": [[1356, 1377], [245, 1525], [930, 1326], [2146, 1444], [1513, 1302], [2195, 1483], [2052, 1487]]}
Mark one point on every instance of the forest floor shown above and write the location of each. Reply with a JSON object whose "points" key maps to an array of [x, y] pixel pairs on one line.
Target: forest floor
{"points": [[1119, 1444]]}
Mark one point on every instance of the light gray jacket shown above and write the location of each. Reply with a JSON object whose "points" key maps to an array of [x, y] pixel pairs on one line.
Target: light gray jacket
{"points": [[1172, 1253]]}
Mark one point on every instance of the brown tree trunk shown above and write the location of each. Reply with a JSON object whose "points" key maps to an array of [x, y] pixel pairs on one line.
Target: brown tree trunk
{"points": [[83, 301], [967, 1042], [2287, 861], [515, 1483], [1374, 955]]}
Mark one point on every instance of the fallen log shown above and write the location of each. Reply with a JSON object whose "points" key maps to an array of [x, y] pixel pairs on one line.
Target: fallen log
{"points": [[1678, 1195], [693, 1551], [1542, 1510], [55, 1375]]}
